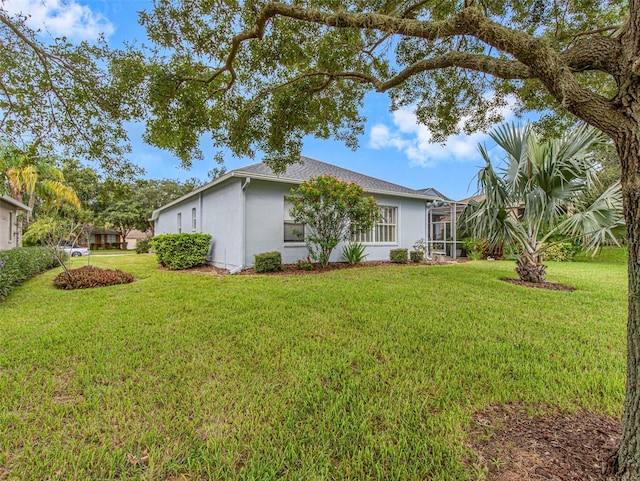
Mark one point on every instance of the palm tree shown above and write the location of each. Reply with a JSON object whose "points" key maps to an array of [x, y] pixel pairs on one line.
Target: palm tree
{"points": [[29, 175], [536, 197]]}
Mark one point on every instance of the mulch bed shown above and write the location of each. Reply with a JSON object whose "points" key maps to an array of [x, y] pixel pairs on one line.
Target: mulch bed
{"points": [[293, 270], [552, 286], [511, 445]]}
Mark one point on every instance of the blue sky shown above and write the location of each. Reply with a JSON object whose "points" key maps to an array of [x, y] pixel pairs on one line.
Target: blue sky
{"points": [[394, 146]]}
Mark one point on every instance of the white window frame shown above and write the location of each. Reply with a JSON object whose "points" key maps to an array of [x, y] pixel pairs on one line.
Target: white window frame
{"points": [[384, 231], [194, 221], [179, 222], [289, 224]]}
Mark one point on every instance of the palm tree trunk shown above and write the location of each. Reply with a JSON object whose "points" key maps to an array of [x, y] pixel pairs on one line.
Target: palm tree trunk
{"points": [[530, 270]]}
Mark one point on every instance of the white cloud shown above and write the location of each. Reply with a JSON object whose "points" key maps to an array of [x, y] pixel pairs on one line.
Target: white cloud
{"points": [[414, 140], [62, 18]]}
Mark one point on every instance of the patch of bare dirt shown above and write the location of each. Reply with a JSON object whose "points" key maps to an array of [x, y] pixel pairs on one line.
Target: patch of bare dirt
{"points": [[511, 445], [552, 286]]}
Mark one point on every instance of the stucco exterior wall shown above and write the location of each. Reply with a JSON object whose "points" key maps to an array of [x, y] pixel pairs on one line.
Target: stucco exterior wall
{"points": [[265, 224], [219, 213], [222, 217], [244, 223], [9, 237], [411, 226]]}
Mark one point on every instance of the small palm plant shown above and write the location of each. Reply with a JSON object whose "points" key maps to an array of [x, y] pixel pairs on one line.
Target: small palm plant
{"points": [[354, 253], [537, 196]]}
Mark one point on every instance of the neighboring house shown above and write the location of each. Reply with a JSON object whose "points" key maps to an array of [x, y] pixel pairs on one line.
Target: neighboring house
{"points": [[10, 223], [136, 235], [103, 239], [246, 213]]}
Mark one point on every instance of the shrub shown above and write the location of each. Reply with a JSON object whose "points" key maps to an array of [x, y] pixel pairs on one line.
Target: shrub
{"points": [[416, 256], [268, 262], [421, 246], [560, 251], [353, 253], [399, 256], [305, 264], [18, 265], [143, 246], [89, 276], [181, 251], [331, 211], [472, 247]]}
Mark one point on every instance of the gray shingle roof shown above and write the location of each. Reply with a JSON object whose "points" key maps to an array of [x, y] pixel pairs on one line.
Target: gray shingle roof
{"points": [[306, 169], [434, 193], [309, 168]]}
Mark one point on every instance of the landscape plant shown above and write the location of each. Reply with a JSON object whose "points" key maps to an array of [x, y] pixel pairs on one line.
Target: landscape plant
{"points": [[560, 251], [331, 211], [421, 246], [354, 253], [305, 264], [181, 251], [473, 248], [399, 256], [28, 174], [268, 262], [416, 256], [54, 231], [525, 202], [143, 246], [87, 277], [20, 264]]}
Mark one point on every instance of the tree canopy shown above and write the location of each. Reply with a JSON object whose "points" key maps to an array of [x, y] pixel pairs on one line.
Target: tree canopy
{"points": [[261, 76], [28, 175], [69, 97]]}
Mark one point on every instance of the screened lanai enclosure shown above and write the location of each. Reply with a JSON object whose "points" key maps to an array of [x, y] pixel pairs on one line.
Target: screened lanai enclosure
{"points": [[443, 235]]}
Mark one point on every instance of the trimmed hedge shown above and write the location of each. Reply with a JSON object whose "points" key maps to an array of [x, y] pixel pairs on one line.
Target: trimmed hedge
{"points": [[18, 265], [181, 251], [268, 262], [416, 256], [89, 276], [399, 256]]}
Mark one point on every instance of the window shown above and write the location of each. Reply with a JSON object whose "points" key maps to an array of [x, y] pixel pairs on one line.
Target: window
{"points": [[179, 222], [10, 226], [193, 219], [293, 231], [384, 230]]}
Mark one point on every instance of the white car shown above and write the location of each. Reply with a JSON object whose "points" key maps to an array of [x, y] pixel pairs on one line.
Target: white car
{"points": [[74, 250]]}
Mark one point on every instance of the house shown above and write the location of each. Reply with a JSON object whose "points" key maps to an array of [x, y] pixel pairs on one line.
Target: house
{"points": [[246, 213], [10, 223], [137, 235], [101, 239]]}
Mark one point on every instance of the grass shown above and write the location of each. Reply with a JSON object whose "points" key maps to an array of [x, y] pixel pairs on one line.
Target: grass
{"points": [[356, 374]]}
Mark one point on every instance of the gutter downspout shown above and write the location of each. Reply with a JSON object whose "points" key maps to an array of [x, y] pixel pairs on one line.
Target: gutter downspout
{"points": [[428, 206], [247, 181]]}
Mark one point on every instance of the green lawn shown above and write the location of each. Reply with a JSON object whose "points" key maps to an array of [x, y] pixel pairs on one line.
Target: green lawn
{"points": [[357, 374]]}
